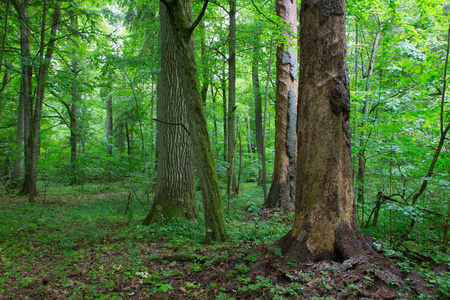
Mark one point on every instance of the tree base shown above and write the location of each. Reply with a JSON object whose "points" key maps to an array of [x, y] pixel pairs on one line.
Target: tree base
{"points": [[348, 243], [281, 195]]}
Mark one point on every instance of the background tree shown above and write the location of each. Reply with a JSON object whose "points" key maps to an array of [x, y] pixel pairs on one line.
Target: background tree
{"points": [[282, 189]]}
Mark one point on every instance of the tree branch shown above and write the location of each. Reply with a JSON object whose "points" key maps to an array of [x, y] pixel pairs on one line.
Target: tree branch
{"points": [[59, 114], [200, 16], [176, 124]]}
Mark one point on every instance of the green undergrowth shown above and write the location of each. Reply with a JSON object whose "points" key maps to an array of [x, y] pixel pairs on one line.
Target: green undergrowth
{"points": [[83, 243], [86, 244]]}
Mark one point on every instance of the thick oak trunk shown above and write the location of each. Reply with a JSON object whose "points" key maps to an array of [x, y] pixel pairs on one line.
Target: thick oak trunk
{"points": [[324, 226], [175, 185], [178, 11]]}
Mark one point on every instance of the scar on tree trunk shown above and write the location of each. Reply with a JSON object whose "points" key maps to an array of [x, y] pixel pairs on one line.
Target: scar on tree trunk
{"points": [[325, 227]]}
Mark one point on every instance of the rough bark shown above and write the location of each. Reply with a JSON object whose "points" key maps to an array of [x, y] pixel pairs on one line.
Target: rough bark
{"points": [[178, 11], [282, 190], [231, 179], [324, 226], [175, 184], [258, 107]]}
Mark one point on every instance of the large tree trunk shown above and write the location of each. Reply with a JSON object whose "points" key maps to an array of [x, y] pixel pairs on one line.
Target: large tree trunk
{"points": [[231, 179], [178, 11], [258, 107], [175, 185], [324, 226], [282, 190]]}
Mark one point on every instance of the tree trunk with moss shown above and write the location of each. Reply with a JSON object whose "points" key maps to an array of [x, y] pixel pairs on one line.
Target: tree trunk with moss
{"points": [[175, 185], [282, 189], [325, 226], [179, 12]]}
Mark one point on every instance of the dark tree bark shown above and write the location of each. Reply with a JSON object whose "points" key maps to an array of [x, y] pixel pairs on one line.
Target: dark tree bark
{"points": [[325, 226], [175, 185], [178, 11], [282, 190]]}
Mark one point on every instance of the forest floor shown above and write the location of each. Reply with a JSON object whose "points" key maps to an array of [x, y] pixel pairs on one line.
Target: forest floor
{"points": [[82, 245]]}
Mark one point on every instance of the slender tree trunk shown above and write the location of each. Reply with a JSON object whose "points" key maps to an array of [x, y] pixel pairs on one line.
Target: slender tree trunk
{"points": [[443, 134], [213, 96], [74, 122], [266, 100], [360, 176], [179, 10], [152, 105], [225, 116], [109, 119], [282, 190], [324, 226], [205, 65], [249, 135], [25, 96], [40, 92], [258, 107], [18, 171], [231, 179]]}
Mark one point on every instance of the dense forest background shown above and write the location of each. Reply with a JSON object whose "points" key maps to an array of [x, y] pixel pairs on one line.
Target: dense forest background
{"points": [[94, 72]]}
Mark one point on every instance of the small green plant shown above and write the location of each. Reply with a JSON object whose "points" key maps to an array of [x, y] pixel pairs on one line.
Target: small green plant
{"points": [[252, 257]]}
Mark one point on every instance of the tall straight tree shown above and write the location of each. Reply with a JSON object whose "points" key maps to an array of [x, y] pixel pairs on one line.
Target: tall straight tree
{"points": [[282, 189], [231, 179], [325, 226], [25, 80], [179, 12], [175, 185], [258, 106]]}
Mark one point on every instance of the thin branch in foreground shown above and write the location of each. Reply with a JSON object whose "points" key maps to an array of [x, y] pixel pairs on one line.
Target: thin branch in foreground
{"points": [[176, 124]]}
